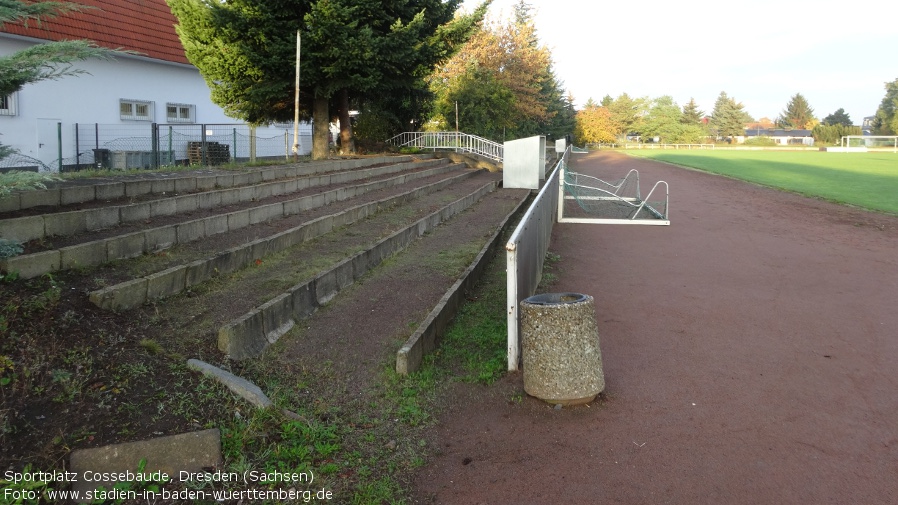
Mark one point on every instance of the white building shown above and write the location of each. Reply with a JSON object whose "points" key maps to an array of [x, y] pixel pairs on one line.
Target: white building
{"points": [[125, 106]]}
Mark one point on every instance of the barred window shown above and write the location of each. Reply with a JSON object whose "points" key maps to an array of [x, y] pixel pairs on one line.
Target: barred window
{"points": [[180, 113], [136, 110], [8, 105]]}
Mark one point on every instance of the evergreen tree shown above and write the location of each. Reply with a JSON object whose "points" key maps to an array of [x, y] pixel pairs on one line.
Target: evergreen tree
{"points": [[245, 50], [839, 117], [797, 114], [45, 61], [607, 100], [728, 118], [692, 114], [886, 121]]}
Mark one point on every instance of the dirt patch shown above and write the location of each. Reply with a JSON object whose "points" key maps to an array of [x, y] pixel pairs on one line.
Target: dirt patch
{"points": [[745, 352]]}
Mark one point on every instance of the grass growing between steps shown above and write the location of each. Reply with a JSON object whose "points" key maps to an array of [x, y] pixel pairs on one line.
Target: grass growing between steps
{"points": [[366, 448]]}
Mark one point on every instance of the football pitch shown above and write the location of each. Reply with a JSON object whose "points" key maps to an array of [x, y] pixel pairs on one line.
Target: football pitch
{"points": [[868, 180]]}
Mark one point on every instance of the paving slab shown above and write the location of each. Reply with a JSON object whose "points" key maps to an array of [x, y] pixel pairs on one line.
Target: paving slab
{"points": [[189, 452]]}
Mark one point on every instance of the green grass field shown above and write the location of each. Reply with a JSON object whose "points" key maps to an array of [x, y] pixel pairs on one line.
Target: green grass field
{"points": [[868, 180]]}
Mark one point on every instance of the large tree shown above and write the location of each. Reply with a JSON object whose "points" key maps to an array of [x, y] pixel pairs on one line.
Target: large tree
{"points": [[595, 125], [246, 49], [665, 121], [692, 114], [797, 114], [628, 113], [508, 54], [839, 117], [886, 121], [729, 117]]}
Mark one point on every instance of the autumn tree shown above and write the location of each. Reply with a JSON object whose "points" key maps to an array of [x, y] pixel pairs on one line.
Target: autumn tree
{"points": [[886, 120], [507, 55], [797, 114], [595, 125], [245, 50]]}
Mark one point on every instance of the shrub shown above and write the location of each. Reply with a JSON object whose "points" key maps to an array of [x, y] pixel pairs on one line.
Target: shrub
{"points": [[10, 248], [760, 141], [21, 180]]}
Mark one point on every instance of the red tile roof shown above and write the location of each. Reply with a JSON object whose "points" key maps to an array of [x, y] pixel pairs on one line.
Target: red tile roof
{"points": [[144, 26]]}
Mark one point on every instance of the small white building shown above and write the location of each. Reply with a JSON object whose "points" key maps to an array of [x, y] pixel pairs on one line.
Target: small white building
{"points": [[123, 109]]}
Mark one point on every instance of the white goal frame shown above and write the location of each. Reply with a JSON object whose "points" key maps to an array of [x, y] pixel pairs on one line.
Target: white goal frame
{"points": [[845, 143]]}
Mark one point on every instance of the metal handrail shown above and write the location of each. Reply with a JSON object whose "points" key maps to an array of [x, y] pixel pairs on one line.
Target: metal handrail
{"points": [[454, 141]]}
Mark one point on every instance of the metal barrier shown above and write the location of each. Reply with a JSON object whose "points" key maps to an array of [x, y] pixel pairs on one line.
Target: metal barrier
{"points": [[526, 252], [451, 141]]}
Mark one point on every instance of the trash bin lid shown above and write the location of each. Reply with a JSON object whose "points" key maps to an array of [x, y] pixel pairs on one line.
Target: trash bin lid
{"points": [[556, 298]]}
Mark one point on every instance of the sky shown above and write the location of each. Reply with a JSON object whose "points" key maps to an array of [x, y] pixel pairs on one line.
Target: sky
{"points": [[836, 53]]}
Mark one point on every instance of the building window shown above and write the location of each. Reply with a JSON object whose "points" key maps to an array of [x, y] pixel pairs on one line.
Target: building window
{"points": [[8, 105], [136, 110], [180, 113]]}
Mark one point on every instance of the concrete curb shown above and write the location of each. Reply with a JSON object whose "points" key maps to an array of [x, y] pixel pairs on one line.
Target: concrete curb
{"points": [[64, 195], [125, 295], [73, 222], [429, 333], [249, 335], [238, 385], [155, 239]]}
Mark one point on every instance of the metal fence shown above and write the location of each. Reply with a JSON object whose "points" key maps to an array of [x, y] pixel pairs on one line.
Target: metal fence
{"points": [[450, 141], [526, 252], [152, 145]]}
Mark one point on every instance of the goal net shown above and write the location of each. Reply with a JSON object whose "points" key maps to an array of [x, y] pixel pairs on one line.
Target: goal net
{"points": [[870, 142], [587, 199]]}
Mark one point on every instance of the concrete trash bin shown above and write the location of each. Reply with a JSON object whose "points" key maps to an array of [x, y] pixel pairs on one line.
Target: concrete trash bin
{"points": [[560, 348]]}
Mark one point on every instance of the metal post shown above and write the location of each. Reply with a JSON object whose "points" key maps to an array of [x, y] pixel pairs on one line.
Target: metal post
{"points": [[154, 149], [203, 145], [296, 104], [77, 149], [59, 144], [235, 145]]}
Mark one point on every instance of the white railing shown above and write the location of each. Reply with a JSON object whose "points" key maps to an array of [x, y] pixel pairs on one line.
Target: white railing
{"points": [[450, 141], [526, 252]]}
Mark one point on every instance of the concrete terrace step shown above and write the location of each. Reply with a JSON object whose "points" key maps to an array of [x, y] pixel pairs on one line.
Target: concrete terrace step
{"points": [[133, 244], [248, 335], [35, 227], [71, 192], [177, 278]]}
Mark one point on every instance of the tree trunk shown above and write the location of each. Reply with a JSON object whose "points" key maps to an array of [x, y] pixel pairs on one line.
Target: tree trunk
{"points": [[347, 140], [320, 133]]}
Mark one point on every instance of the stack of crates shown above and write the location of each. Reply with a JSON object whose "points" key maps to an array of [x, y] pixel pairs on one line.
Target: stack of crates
{"points": [[216, 154]]}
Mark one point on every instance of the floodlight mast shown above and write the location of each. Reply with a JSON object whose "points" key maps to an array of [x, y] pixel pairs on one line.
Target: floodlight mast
{"points": [[296, 104]]}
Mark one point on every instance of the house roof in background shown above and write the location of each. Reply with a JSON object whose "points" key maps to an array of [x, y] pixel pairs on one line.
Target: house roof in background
{"points": [[144, 26]]}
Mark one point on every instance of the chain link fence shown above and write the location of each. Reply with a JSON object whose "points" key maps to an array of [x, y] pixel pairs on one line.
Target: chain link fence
{"points": [[154, 145]]}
